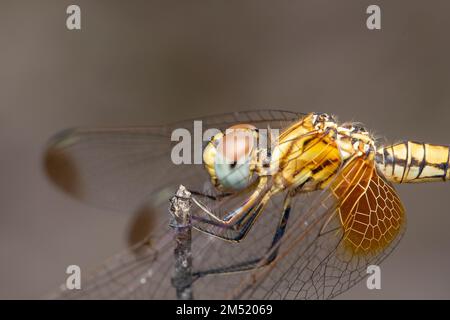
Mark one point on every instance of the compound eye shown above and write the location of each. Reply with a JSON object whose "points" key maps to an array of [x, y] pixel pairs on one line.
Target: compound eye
{"points": [[236, 145], [234, 157]]}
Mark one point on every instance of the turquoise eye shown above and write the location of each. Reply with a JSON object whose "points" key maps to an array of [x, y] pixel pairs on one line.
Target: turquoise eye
{"points": [[231, 164], [233, 175]]}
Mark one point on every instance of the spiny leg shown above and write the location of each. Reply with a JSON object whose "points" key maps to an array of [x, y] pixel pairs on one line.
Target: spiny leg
{"points": [[281, 228], [263, 260], [239, 220]]}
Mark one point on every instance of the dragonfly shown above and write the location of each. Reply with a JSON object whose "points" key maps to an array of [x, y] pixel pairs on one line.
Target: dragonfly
{"points": [[300, 216]]}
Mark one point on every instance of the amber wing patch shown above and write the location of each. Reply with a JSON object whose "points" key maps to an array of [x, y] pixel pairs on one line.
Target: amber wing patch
{"points": [[370, 210]]}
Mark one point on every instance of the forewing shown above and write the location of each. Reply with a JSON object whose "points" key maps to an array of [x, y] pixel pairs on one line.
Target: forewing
{"points": [[125, 168]]}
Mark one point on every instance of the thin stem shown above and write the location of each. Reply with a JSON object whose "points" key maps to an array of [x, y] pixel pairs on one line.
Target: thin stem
{"points": [[181, 222]]}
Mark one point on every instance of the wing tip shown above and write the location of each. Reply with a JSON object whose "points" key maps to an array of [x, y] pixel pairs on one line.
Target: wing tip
{"points": [[58, 164]]}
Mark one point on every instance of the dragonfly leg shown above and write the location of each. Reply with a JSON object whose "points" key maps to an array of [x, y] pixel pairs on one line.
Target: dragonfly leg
{"points": [[281, 228], [212, 197], [239, 221], [264, 260]]}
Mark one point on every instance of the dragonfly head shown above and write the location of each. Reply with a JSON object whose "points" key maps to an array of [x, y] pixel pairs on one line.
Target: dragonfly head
{"points": [[230, 157]]}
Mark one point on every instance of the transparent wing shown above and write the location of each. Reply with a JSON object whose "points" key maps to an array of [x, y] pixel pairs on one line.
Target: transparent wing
{"points": [[128, 276], [130, 168], [356, 222], [138, 273], [125, 168], [144, 271]]}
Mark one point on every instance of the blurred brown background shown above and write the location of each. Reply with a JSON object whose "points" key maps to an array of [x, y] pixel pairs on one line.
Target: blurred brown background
{"points": [[149, 62]]}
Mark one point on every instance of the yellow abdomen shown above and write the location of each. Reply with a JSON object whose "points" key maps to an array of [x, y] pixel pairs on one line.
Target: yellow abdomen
{"points": [[409, 161]]}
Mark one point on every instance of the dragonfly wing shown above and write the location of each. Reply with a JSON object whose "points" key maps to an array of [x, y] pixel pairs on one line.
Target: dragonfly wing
{"points": [[144, 271], [356, 222], [130, 168], [137, 273], [124, 168]]}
